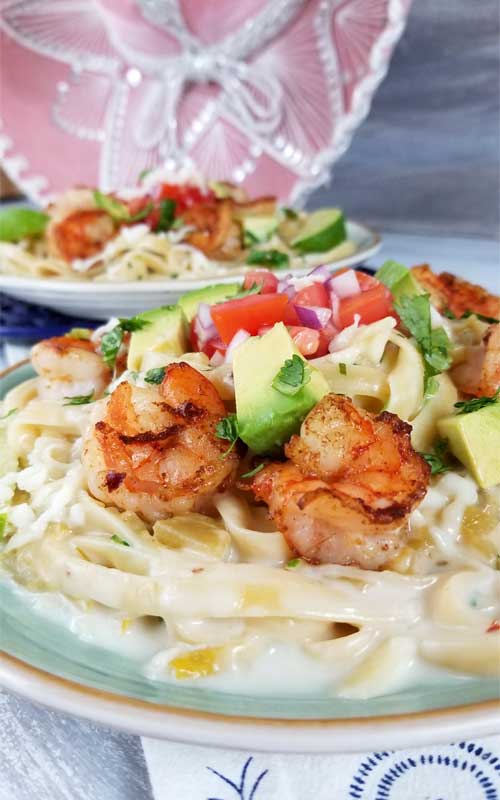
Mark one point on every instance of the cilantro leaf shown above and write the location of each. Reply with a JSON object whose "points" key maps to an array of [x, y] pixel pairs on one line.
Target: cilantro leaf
{"points": [[439, 458], [227, 428], [110, 345], [142, 175], [254, 289], [116, 539], [249, 239], [79, 400], [253, 472], [293, 375], [268, 258], [112, 340], [289, 213], [468, 406], [167, 214], [433, 343], [293, 563], [342, 368], [3, 524], [155, 375]]}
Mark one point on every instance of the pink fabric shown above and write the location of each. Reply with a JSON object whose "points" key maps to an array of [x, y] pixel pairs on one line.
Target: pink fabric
{"points": [[291, 113]]}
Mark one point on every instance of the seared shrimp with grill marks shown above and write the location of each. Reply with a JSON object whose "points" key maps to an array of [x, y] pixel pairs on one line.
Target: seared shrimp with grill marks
{"points": [[154, 450], [350, 484], [69, 367]]}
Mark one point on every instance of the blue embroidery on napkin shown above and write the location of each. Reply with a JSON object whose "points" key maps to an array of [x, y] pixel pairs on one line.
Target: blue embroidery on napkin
{"points": [[472, 764], [242, 792]]}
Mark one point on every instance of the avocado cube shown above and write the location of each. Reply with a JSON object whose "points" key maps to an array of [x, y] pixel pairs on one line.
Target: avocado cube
{"points": [[261, 228], [474, 439], [166, 332], [266, 417], [216, 293]]}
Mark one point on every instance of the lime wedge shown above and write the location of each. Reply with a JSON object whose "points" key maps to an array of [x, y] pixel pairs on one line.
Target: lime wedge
{"points": [[323, 230]]}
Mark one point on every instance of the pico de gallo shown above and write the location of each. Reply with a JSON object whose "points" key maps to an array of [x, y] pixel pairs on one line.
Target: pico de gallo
{"points": [[314, 309]]}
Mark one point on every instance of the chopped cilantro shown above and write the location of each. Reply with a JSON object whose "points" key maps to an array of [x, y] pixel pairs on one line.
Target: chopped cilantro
{"points": [[293, 563], [227, 428], [439, 458], [167, 214], [249, 239], [155, 375], [3, 524], [254, 289], [79, 400], [112, 340], [268, 258], [117, 540], [293, 375], [142, 175], [342, 368], [468, 406], [253, 472], [289, 213], [434, 344]]}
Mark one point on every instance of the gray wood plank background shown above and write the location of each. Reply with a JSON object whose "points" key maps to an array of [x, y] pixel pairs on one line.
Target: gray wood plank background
{"points": [[426, 160]]}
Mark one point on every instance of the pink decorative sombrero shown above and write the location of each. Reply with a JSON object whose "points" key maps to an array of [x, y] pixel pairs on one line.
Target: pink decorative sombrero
{"points": [[266, 93]]}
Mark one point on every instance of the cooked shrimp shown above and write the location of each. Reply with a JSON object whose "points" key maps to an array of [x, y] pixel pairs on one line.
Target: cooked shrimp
{"points": [[479, 373], [217, 234], [78, 228], [154, 450], [349, 486], [449, 292], [69, 367]]}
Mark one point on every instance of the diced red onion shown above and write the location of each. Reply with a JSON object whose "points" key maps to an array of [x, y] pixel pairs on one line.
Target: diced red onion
{"points": [[285, 287], [205, 315], [204, 334], [345, 285], [321, 273], [314, 317], [217, 359], [335, 304], [239, 337]]}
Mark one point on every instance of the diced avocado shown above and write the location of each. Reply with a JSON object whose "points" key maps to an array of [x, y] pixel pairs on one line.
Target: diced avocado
{"points": [[398, 279], [266, 417], [166, 332], [260, 228], [474, 439], [216, 293]]}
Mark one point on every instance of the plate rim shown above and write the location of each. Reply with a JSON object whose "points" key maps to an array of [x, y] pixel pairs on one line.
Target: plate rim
{"points": [[196, 726], [172, 285]]}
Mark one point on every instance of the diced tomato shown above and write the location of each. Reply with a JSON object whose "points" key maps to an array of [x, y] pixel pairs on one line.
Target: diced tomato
{"points": [[495, 626], [214, 345], [250, 313], [209, 348], [371, 306], [262, 277], [290, 316], [185, 196], [326, 335], [314, 295], [306, 340], [366, 281]]}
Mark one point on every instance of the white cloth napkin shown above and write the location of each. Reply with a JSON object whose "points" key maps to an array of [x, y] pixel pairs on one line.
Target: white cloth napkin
{"points": [[461, 771]]}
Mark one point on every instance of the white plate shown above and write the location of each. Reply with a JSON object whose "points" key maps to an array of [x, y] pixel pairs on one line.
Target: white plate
{"points": [[104, 300]]}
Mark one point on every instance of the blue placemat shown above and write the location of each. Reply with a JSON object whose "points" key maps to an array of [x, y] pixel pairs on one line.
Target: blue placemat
{"points": [[19, 320]]}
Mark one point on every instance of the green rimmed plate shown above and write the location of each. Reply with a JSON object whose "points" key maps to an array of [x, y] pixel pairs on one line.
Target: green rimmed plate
{"points": [[47, 663]]}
